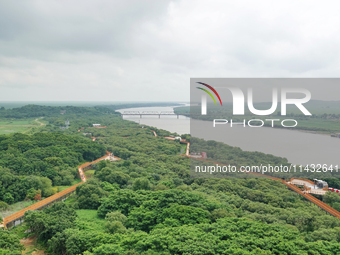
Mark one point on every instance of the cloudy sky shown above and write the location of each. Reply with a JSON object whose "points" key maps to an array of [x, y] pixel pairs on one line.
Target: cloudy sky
{"points": [[143, 50]]}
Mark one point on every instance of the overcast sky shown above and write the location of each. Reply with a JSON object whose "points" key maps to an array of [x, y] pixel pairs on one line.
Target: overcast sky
{"points": [[143, 50]]}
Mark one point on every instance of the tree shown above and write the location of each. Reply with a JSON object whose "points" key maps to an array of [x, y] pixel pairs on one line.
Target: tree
{"points": [[115, 227], [112, 176], [8, 198], [89, 195], [32, 193], [3, 205], [37, 197], [116, 216], [141, 183], [184, 214], [10, 242], [331, 197], [122, 200], [50, 221]]}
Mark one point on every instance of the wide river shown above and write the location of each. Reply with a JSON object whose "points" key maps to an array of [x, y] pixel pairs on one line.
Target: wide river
{"points": [[297, 146]]}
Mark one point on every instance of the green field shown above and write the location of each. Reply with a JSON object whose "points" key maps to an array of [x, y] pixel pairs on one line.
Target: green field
{"points": [[17, 122], [9, 130], [89, 172], [89, 219], [11, 125]]}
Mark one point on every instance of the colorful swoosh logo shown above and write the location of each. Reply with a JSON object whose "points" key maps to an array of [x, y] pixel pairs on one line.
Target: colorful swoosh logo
{"points": [[213, 90]]}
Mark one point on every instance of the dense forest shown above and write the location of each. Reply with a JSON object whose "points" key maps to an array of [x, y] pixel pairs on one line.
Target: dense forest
{"points": [[30, 111], [147, 203], [40, 161]]}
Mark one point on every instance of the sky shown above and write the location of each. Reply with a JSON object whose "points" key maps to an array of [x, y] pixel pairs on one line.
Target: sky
{"points": [[135, 50]]}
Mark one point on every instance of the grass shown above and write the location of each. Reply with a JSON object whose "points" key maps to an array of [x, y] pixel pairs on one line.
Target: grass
{"points": [[13, 208], [29, 240], [9, 130], [89, 173], [17, 122], [70, 200], [89, 219], [20, 230], [9, 123], [75, 181], [183, 148]]}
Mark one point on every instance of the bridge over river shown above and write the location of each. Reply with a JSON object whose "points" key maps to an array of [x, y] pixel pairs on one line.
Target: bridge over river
{"points": [[149, 113]]}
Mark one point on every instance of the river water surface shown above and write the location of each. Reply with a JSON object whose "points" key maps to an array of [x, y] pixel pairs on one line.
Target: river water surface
{"points": [[297, 146]]}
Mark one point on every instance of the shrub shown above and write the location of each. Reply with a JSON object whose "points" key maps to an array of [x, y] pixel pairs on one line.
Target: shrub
{"points": [[3, 205]]}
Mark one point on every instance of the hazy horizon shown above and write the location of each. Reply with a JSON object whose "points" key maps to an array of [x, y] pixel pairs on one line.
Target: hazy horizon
{"points": [[148, 50]]}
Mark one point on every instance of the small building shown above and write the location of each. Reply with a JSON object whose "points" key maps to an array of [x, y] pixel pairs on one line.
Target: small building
{"points": [[195, 155], [321, 184], [204, 154], [96, 125]]}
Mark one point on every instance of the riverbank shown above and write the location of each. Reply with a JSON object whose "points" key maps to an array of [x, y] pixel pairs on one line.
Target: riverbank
{"points": [[318, 124], [299, 146]]}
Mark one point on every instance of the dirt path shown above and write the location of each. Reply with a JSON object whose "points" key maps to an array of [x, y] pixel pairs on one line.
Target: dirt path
{"points": [[30, 246], [41, 124]]}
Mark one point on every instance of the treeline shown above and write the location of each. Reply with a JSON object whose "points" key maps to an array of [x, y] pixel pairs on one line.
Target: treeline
{"points": [[227, 154], [30, 111], [40, 161], [319, 122]]}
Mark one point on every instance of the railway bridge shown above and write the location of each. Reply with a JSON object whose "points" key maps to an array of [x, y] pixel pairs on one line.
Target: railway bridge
{"points": [[149, 113]]}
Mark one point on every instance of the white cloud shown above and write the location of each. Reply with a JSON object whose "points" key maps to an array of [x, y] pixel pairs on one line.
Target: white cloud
{"points": [[148, 50]]}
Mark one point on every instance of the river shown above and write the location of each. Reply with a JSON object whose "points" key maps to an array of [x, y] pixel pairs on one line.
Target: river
{"points": [[169, 123], [298, 147]]}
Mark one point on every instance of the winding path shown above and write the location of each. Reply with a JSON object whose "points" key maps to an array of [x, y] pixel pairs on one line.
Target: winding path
{"points": [[17, 217], [290, 184], [41, 124]]}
